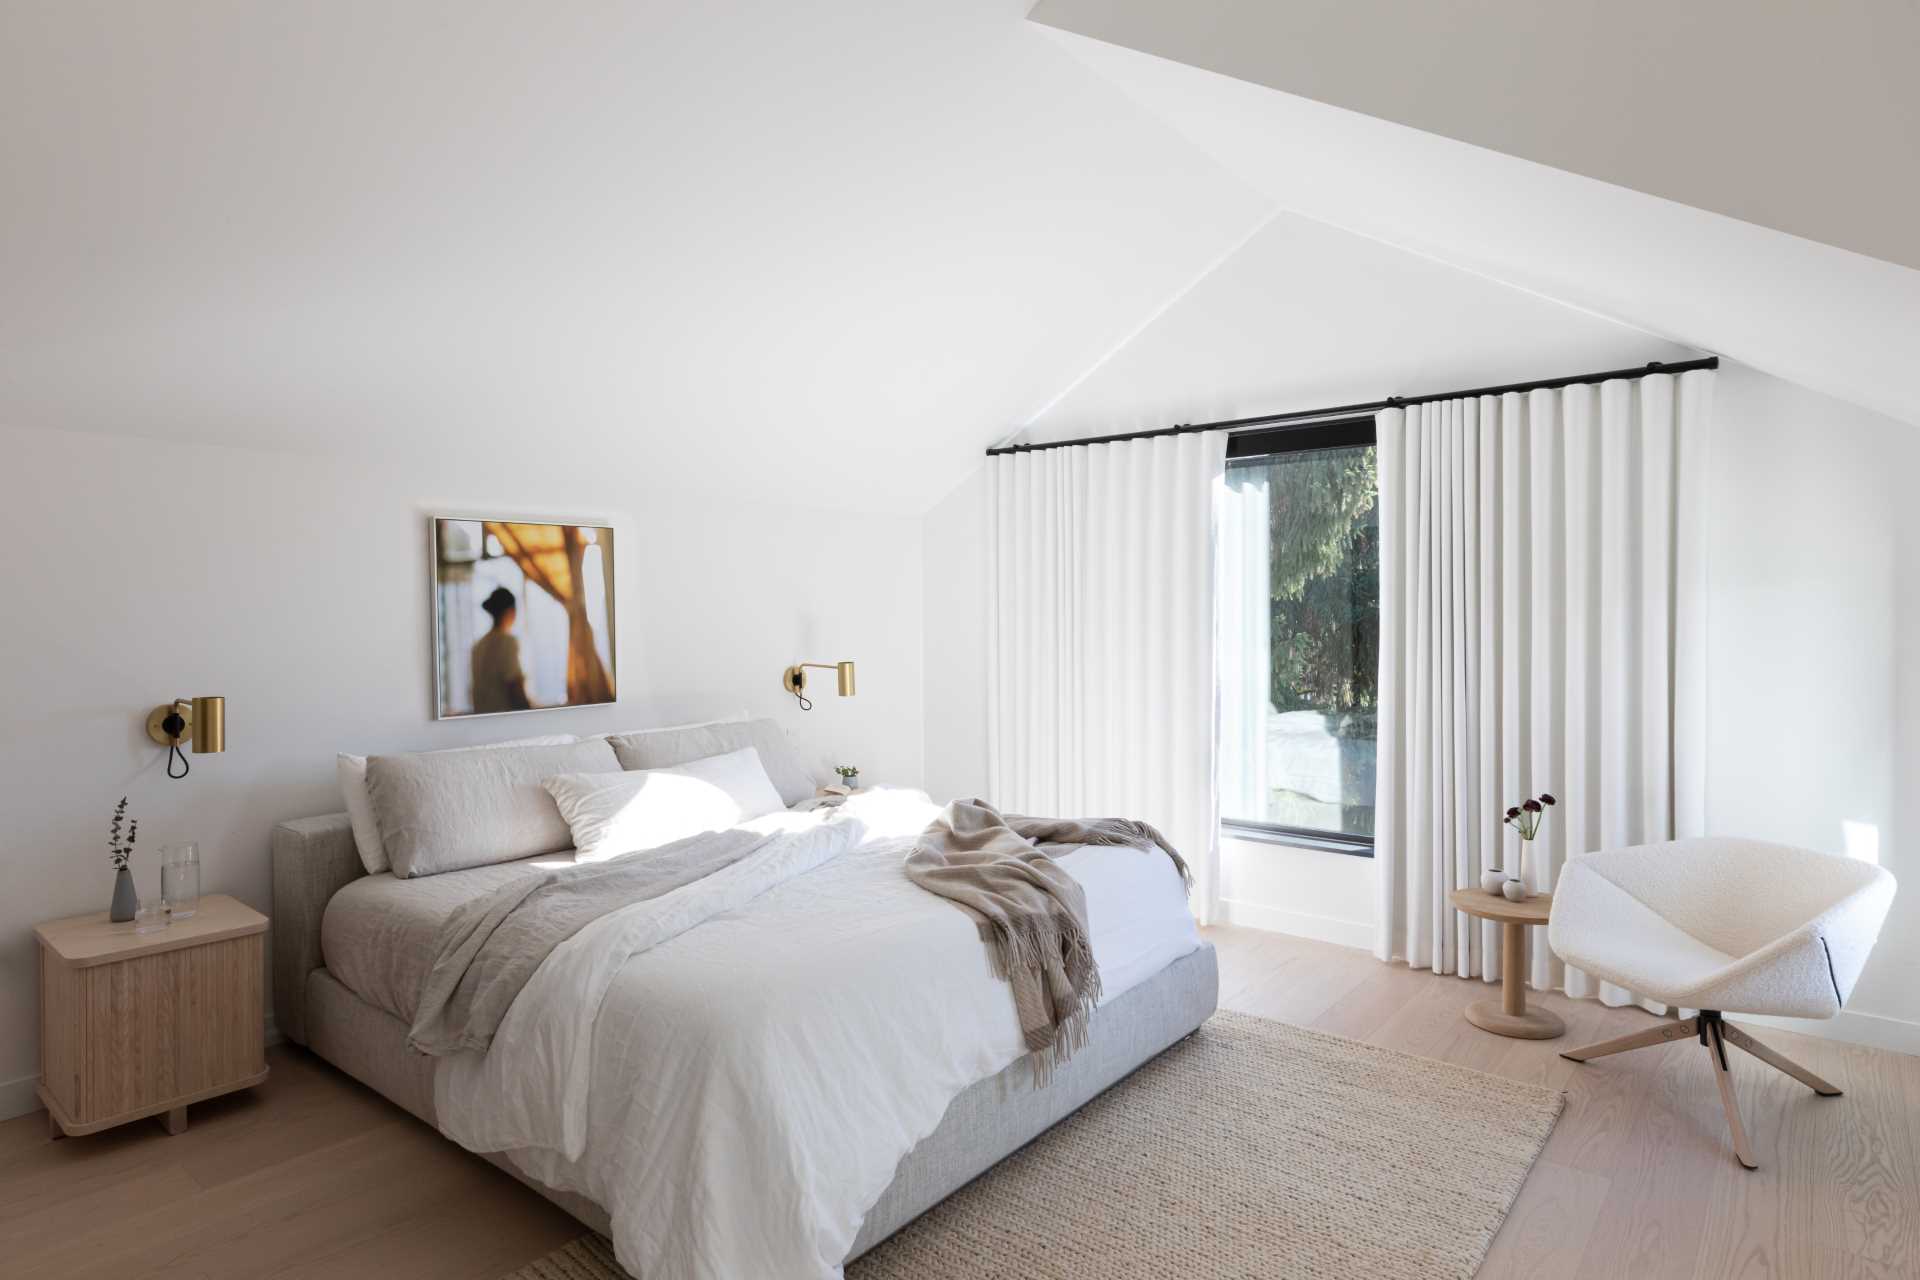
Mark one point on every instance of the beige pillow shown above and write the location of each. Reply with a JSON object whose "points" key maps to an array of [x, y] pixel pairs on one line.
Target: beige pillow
{"points": [[449, 811], [664, 748], [353, 792]]}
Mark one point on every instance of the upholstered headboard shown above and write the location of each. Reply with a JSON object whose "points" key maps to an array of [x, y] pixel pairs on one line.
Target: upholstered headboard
{"points": [[313, 859]]}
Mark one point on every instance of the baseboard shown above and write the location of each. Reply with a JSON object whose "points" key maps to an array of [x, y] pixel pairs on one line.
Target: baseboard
{"points": [[1868, 1029], [1257, 915], [17, 1097]]}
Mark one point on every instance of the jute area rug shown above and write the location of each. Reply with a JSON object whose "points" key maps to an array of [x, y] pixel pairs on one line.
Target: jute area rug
{"points": [[1251, 1149]]}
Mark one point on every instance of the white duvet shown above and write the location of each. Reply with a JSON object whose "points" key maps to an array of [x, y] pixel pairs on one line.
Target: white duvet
{"points": [[734, 1070]]}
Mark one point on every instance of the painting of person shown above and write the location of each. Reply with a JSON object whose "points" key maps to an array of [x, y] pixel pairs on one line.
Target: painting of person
{"points": [[523, 616], [499, 683]]}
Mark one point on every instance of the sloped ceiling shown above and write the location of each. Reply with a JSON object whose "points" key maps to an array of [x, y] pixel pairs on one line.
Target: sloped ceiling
{"points": [[823, 246], [825, 249], [1305, 316], [1803, 117], [1835, 321]]}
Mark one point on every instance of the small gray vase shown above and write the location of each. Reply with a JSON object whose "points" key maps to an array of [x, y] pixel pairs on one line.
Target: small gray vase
{"points": [[125, 900]]}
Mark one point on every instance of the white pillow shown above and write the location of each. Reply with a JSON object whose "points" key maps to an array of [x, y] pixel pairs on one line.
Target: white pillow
{"points": [[611, 814], [353, 789], [670, 748]]}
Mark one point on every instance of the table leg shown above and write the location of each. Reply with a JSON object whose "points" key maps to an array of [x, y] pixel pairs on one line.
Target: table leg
{"points": [[175, 1121], [1509, 1015], [1513, 969]]}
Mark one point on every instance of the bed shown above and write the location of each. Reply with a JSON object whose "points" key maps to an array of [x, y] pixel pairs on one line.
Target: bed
{"points": [[350, 951]]}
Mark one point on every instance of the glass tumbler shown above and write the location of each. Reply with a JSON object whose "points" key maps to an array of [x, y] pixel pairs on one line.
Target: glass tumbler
{"points": [[180, 878], [151, 916]]}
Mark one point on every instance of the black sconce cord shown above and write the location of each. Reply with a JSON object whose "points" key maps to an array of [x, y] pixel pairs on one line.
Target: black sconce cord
{"points": [[805, 703], [172, 727]]}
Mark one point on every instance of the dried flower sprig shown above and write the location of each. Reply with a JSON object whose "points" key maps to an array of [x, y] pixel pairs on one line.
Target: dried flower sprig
{"points": [[847, 771], [1525, 816], [119, 850]]}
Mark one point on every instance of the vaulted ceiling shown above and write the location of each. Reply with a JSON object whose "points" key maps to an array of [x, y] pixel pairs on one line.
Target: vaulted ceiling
{"points": [[1305, 315], [746, 246], [1837, 321], [1800, 117]]}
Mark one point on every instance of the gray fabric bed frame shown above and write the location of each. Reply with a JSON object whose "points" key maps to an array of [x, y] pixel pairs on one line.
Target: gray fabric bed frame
{"points": [[314, 858]]}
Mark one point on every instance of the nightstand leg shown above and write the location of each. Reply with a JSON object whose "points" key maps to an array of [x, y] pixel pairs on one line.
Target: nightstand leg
{"points": [[175, 1120]]}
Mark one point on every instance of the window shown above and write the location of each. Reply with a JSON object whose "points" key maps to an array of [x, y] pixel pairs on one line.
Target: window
{"points": [[1300, 634]]}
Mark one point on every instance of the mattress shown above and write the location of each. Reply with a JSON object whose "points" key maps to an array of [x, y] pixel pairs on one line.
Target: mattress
{"points": [[378, 934]]}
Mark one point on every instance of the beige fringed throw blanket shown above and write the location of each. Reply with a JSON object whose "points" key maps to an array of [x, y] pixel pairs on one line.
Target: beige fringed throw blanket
{"points": [[1032, 914]]}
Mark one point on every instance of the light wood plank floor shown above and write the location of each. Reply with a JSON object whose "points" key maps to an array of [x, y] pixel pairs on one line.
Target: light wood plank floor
{"points": [[314, 1177]]}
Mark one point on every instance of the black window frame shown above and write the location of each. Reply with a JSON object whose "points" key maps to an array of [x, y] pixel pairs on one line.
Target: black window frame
{"points": [[1338, 433]]}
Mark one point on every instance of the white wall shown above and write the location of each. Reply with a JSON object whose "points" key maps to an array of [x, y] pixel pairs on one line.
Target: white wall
{"points": [[1814, 653], [138, 570], [1309, 893], [956, 564]]}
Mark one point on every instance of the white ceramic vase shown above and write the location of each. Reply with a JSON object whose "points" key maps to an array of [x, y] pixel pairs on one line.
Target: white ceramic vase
{"points": [[1491, 881], [1514, 891]]}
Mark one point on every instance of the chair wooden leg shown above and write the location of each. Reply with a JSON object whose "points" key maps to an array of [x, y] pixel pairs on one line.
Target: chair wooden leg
{"points": [[1717, 1049], [1778, 1061], [1684, 1029]]}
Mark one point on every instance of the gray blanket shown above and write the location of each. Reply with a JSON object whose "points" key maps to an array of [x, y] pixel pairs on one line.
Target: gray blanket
{"points": [[488, 949], [1032, 914]]}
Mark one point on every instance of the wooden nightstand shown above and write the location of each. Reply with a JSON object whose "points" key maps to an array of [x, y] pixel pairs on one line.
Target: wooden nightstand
{"points": [[142, 1024]]}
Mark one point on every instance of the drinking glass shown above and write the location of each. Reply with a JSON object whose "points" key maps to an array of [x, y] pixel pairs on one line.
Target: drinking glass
{"points": [[151, 916], [180, 878]]}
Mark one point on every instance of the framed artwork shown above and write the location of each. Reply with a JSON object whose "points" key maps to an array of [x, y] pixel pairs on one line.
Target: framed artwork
{"points": [[522, 616]]}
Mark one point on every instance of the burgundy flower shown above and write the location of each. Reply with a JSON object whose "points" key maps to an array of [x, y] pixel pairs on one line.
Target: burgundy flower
{"points": [[1514, 812], [1547, 799], [1531, 806]]}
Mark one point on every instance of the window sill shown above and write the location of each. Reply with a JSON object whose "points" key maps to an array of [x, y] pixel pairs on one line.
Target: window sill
{"points": [[1295, 838]]}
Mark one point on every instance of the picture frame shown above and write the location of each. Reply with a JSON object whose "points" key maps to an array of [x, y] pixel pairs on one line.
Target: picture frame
{"points": [[524, 614]]}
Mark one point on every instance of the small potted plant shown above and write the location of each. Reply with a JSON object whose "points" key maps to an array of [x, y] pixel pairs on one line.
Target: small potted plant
{"points": [[1525, 819], [849, 776], [119, 852]]}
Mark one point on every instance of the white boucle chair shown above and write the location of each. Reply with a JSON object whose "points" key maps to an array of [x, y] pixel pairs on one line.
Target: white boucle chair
{"points": [[1723, 926]]}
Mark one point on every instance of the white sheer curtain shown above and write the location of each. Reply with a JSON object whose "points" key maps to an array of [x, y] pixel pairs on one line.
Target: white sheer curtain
{"points": [[1245, 647], [1101, 656], [1542, 629]]}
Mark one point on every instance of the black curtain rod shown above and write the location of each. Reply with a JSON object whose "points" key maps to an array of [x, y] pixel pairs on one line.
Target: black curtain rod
{"points": [[1370, 406]]}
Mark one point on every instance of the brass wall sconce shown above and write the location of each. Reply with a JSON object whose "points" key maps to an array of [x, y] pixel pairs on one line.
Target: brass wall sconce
{"points": [[201, 721], [794, 680]]}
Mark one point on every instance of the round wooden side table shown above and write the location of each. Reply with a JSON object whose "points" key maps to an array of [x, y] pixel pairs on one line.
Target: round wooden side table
{"points": [[1509, 1015]]}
